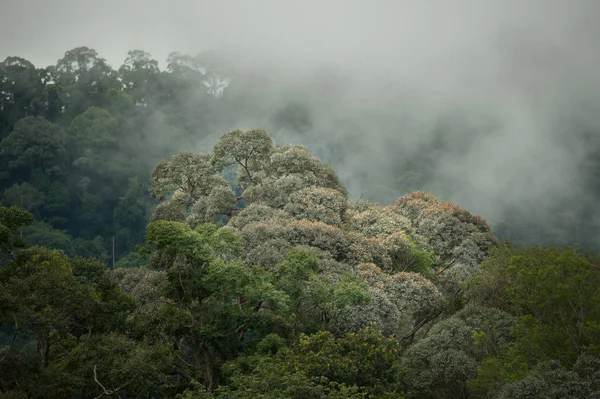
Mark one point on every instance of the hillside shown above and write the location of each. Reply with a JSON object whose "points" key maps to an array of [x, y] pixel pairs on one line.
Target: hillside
{"points": [[259, 277]]}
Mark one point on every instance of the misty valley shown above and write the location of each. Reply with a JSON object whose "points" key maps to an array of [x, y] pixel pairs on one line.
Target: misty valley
{"points": [[212, 229]]}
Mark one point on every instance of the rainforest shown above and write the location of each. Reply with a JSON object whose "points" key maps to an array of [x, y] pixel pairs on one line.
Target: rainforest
{"points": [[214, 226]]}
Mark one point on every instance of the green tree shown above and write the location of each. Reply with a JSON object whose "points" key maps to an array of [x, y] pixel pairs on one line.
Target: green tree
{"points": [[211, 303], [12, 220], [22, 89], [94, 132], [130, 217], [364, 364], [554, 293], [25, 196], [85, 79], [49, 302], [34, 144]]}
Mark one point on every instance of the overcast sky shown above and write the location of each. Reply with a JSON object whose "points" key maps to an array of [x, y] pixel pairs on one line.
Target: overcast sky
{"points": [[382, 33]]}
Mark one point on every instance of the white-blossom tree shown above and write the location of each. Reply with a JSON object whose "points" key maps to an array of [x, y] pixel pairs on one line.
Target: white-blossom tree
{"points": [[411, 255]]}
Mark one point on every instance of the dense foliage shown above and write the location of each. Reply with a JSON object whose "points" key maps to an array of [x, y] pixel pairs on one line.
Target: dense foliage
{"points": [[254, 274]]}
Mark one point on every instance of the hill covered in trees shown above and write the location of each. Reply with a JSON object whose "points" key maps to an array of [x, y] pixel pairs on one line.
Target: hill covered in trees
{"points": [[248, 270], [259, 278]]}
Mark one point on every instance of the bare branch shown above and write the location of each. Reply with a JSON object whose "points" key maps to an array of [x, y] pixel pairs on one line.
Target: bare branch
{"points": [[187, 363], [410, 336], [449, 265], [105, 392], [108, 392]]}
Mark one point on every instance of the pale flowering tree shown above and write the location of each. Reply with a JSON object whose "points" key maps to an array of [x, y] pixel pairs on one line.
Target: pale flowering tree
{"points": [[254, 234], [209, 208], [258, 213], [418, 300], [339, 244], [290, 169], [374, 220], [190, 189], [296, 160], [411, 255], [141, 283], [344, 246], [381, 309], [267, 254], [189, 172], [248, 150], [401, 304], [459, 240], [174, 209], [411, 205], [286, 178], [318, 204], [275, 192]]}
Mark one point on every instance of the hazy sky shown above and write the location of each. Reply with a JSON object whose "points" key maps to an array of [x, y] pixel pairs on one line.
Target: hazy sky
{"points": [[522, 71], [384, 33]]}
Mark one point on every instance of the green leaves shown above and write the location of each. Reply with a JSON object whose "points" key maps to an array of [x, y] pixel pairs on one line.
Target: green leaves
{"points": [[557, 290], [364, 359], [117, 363], [555, 294], [358, 365], [11, 221], [175, 241], [36, 143]]}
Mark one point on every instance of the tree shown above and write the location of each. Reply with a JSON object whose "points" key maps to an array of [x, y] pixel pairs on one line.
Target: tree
{"points": [[443, 363], [549, 380], [34, 144], [49, 302], [25, 196], [359, 365], [94, 131], [190, 173], [401, 304], [211, 302], [12, 220], [43, 234], [85, 78], [22, 92], [365, 359], [554, 293], [140, 76], [130, 216], [316, 299]]}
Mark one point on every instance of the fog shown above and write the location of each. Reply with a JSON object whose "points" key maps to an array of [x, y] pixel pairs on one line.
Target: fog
{"points": [[507, 87]]}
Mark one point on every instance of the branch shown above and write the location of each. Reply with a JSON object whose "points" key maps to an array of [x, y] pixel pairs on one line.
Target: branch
{"points": [[187, 363], [104, 390], [426, 320], [245, 166], [108, 392], [449, 265]]}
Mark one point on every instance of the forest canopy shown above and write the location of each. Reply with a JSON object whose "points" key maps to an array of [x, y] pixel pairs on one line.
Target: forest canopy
{"points": [[134, 266]]}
